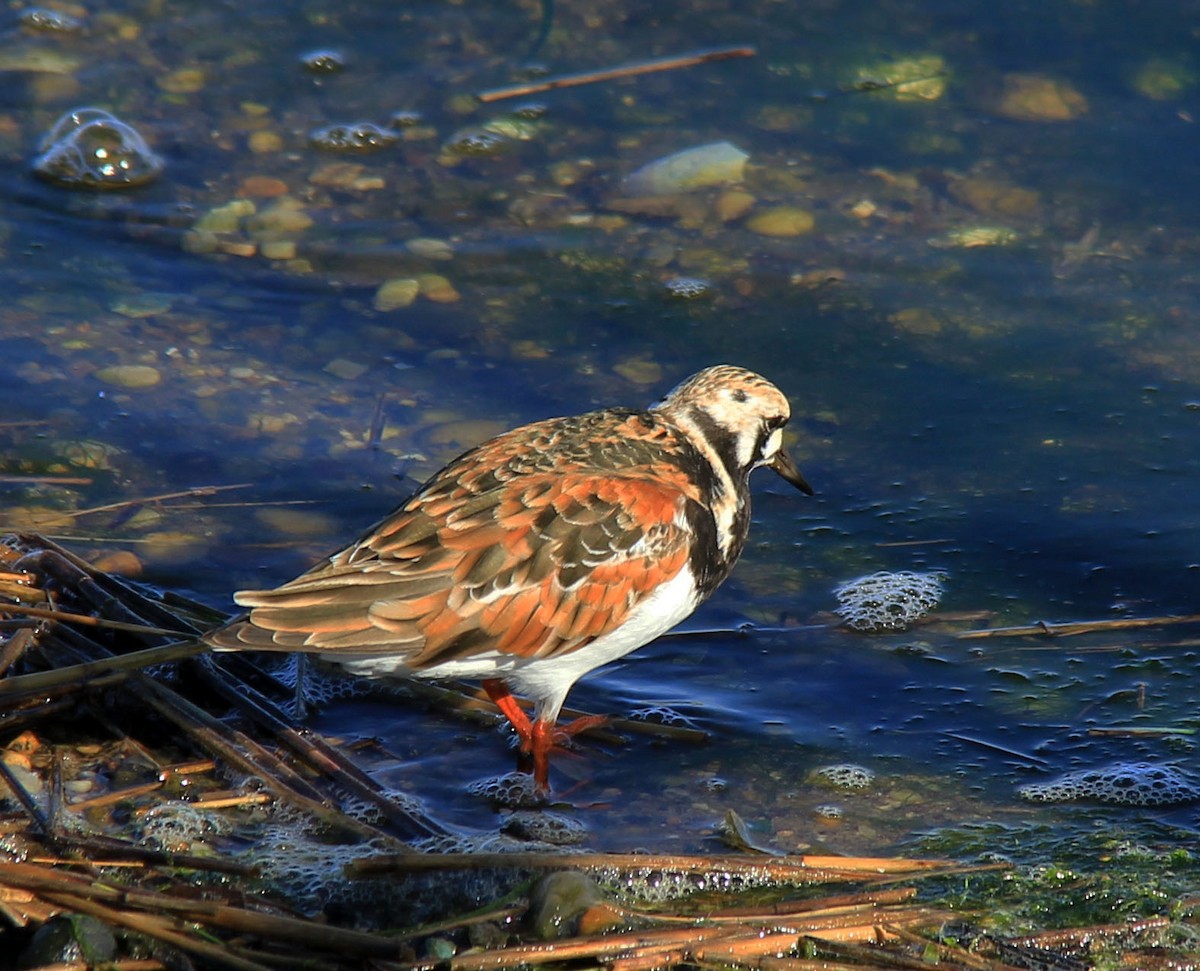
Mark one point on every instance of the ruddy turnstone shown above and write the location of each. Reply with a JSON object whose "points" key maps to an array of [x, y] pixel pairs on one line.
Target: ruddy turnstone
{"points": [[544, 553]]}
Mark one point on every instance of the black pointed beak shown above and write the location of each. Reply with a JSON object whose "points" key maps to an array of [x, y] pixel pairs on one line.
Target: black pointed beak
{"points": [[783, 464]]}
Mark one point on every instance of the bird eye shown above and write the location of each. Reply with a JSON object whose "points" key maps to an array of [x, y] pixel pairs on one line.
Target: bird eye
{"points": [[739, 395], [771, 444]]}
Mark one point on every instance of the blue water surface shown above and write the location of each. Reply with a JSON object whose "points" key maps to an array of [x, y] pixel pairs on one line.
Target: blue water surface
{"points": [[989, 339]]}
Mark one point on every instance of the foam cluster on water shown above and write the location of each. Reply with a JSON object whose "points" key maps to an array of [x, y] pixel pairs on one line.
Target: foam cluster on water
{"points": [[369, 812], [513, 790], [844, 775], [889, 601], [178, 827], [88, 148], [301, 862], [687, 287], [554, 828], [1122, 783], [660, 885], [310, 869], [319, 684], [360, 137], [661, 715]]}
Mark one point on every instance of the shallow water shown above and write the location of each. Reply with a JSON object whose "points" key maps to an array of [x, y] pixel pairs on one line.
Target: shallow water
{"points": [[989, 340]]}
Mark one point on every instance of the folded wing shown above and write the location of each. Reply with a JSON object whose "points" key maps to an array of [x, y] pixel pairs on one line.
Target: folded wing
{"points": [[529, 565]]}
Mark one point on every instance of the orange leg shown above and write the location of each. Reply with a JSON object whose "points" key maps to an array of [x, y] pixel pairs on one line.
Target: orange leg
{"points": [[546, 736], [503, 699], [541, 742], [537, 737]]}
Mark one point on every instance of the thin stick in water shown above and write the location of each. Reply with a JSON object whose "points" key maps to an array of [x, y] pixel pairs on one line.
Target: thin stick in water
{"points": [[620, 71], [1080, 627]]}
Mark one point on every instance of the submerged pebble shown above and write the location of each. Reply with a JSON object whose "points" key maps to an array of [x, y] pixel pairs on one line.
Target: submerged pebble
{"points": [[781, 221], [519, 126], [639, 370], [430, 248], [284, 215], [717, 163], [994, 197], [1161, 79], [344, 368], [435, 287], [130, 376], [139, 305], [558, 900], [278, 249], [264, 142], [122, 562], [916, 320], [262, 186], [1036, 97], [88, 453], [495, 136], [464, 432], [396, 293], [185, 80], [226, 218], [338, 175], [296, 523], [973, 237], [921, 78], [733, 204], [174, 546], [37, 60], [88, 148]]}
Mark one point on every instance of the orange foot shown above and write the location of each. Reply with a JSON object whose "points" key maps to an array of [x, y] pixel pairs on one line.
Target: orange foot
{"points": [[583, 723], [538, 737]]}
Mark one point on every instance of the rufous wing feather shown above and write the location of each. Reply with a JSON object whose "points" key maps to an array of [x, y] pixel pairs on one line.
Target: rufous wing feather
{"points": [[536, 566]]}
